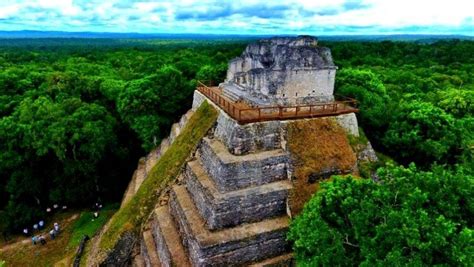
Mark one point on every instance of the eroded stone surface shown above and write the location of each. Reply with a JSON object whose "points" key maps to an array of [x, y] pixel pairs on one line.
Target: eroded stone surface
{"points": [[220, 210], [247, 138], [230, 172], [168, 243], [367, 153], [229, 247], [282, 70], [269, 135], [148, 249], [349, 123]]}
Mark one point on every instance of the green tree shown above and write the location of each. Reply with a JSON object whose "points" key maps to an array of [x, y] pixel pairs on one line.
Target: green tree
{"points": [[213, 74], [422, 133], [405, 219], [457, 102], [63, 135], [61, 144], [149, 105], [370, 92]]}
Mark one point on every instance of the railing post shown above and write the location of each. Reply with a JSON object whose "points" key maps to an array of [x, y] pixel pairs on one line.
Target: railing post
{"points": [[235, 112]]}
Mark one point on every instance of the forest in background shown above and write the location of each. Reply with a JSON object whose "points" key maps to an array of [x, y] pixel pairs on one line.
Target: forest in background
{"points": [[75, 115]]}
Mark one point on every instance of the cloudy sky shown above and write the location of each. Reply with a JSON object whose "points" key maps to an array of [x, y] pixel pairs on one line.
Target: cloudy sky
{"points": [[323, 17]]}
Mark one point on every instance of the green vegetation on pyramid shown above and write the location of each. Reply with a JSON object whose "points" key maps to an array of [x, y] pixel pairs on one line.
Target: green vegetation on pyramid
{"points": [[136, 211]]}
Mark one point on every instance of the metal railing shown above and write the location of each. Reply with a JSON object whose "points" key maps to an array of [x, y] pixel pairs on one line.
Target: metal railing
{"points": [[258, 114]]}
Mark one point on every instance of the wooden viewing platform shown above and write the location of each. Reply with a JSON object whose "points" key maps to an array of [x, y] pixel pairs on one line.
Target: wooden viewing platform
{"points": [[243, 113]]}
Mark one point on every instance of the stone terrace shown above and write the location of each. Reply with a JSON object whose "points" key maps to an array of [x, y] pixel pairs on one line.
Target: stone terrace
{"points": [[230, 206]]}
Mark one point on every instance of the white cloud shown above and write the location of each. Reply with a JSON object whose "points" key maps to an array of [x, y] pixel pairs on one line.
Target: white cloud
{"points": [[9, 10], [246, 16]]}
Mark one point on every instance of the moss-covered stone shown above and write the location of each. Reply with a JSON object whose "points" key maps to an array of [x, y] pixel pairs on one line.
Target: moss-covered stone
{"points": [[128, 220]]}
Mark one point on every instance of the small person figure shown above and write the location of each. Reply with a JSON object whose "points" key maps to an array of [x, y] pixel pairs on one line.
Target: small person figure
{"points": [[25, 231], [42, 240], [55, 206], [48, 209], [96, 214], [64, 207], [34, 239], [56, 228], [35, 226], [41, 224], [52, 233]]}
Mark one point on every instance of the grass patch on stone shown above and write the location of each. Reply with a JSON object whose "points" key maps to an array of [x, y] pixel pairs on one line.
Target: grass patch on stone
{"points": [[320, 148], [136, 211]]}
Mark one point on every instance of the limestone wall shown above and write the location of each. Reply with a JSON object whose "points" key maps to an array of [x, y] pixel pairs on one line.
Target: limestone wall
{"points": [[230, 250], [252, 137], [283, 71], [236, 172], [308, 83], [219, 209]]}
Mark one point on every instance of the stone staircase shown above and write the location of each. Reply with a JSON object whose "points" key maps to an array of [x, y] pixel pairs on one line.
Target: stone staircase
{"points": [[232, 93], [229, 211]]}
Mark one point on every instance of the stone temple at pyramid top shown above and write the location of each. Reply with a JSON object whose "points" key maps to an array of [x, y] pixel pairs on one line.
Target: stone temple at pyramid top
{"points": [[281, 71]]}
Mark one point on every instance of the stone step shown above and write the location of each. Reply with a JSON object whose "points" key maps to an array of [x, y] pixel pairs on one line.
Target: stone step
{"points": [[151, 159], [140, 175], [165, 144], [148, 249], [175, 130], [235, 207], [229, 247], [138, 261], [185, 118], [232, 95], [170, 249], [285, 260], [231, 172]]}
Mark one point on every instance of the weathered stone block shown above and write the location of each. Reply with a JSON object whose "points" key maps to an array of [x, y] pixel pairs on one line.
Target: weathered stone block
{"points": [[248, 138], [229, 247], [230, 172], [220, 209], [168, 243], [349, 123], [148, 249], [283, 71]]}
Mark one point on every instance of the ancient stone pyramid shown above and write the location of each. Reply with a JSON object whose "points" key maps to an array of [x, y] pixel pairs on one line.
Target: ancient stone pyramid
{"points": [[230, 207]]}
